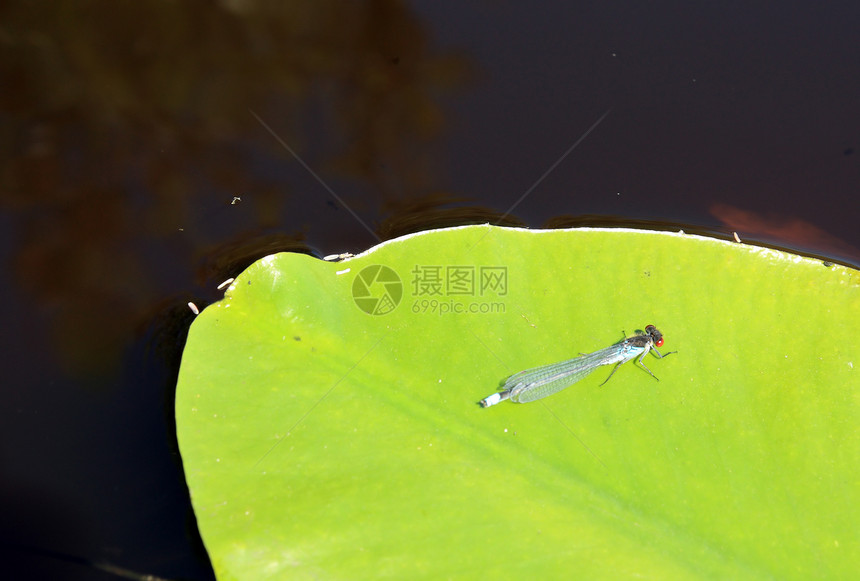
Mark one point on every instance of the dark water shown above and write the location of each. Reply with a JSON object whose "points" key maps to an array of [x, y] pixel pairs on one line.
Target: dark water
{"points": [[152, 149]]}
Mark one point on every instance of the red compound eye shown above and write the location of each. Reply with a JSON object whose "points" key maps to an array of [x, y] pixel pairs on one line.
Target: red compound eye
{"points": [[659, 342]]}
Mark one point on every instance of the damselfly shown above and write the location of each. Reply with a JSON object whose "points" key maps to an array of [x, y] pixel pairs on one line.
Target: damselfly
{"points": [[540, 382]]}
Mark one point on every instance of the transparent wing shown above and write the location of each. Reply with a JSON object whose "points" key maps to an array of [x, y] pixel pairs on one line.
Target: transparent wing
{"points": [[540, 382]]}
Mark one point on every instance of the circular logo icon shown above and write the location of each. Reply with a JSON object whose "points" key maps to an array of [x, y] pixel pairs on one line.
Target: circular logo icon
{"points": [[377, 290]]}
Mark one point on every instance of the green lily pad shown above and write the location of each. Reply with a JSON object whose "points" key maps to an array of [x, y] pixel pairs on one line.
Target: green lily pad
{"points": [[328, 424]]}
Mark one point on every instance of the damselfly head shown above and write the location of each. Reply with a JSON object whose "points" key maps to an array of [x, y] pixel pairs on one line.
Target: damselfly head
{"points": [[655, 334]]}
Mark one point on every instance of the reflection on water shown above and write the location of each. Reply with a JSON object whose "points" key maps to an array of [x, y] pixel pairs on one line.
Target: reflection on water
{"points": [[776, 228], [127, 135]]}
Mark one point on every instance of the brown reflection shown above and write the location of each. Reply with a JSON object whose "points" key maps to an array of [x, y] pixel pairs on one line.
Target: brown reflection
{"points": [[797, 232], [748, 225], [124, 126]]}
